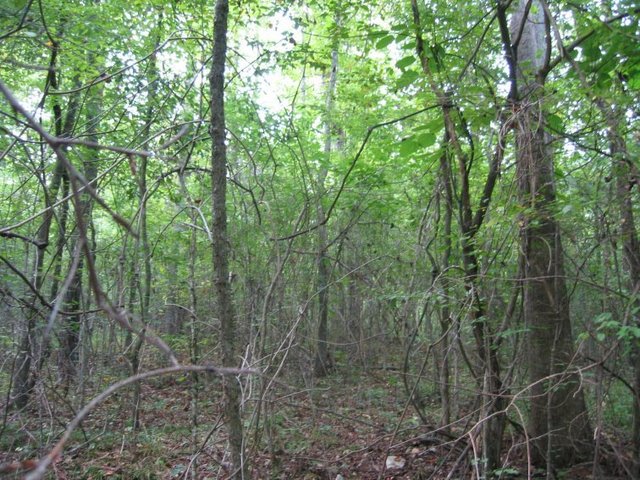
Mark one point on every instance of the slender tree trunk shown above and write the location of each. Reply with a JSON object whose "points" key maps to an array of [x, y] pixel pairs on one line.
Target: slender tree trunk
{"points": [[73, 297], [194, 340], [323, 360], [558, 422], [445, 311], [625, 180], [83, 204], [142, 244], [24, 379], [492, 421], [221, 245], [194, 336]]}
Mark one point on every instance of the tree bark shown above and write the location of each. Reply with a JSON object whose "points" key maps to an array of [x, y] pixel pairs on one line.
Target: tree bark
{"points": [[83, 204], [220, 242], [492, 415], [143, 282], [445, 195], [24, 379], [323, 360], [625, 181], [558, 422]]}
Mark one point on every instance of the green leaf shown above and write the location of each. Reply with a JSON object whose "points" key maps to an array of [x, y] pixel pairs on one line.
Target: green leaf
{"points": [[426, 139], [628, 332], [408, 147], [378, 34], [433, 126], [634, 81], [603, 317], [555, 122], [406, 61], [17, 5], [384, 42], [407, 78]]}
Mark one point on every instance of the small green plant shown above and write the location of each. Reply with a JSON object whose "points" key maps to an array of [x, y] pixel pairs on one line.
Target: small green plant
{"points": [[505, 472], [373, 394], [608, 326]]}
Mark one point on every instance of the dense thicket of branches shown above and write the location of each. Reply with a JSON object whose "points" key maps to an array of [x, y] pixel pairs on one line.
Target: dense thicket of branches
{"points": [[298, 190]]}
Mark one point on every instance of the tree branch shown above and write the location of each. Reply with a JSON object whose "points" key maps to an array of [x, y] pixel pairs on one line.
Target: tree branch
{"points": [[55, 452], [351, 167]]}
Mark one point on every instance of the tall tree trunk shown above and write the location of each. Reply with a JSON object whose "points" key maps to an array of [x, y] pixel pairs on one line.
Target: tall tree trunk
{"points": [[194, 337], [492, 421], [445, 196], [625, 179], [323, 360], [83, 204], [143, 282], [220, 242], [24, 379], [558, 422]]}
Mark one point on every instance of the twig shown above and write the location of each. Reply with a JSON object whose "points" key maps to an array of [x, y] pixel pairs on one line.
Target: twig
{"points": [[55, 452], [56, 143], [351, 167], [22, 237]]}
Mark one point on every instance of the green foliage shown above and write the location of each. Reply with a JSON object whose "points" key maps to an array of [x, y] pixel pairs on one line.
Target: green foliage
{"points": [[506, 472], [609, 327], [618, 406], [390, 252]]}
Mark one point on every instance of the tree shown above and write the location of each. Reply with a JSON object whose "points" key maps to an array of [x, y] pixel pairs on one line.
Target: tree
{"points": [[25, 377], [455, 158], [323, 361], [220, 240], [558, 420]]}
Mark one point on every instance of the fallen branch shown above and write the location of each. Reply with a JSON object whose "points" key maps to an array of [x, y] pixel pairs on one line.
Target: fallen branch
{"points": [[42, 465]]}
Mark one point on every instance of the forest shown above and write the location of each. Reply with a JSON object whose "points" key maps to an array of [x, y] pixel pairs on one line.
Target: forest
{"points": [[320, 239]]}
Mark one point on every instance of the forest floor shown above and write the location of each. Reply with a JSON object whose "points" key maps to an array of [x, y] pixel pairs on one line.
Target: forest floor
{"points": [[346, 426]]}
